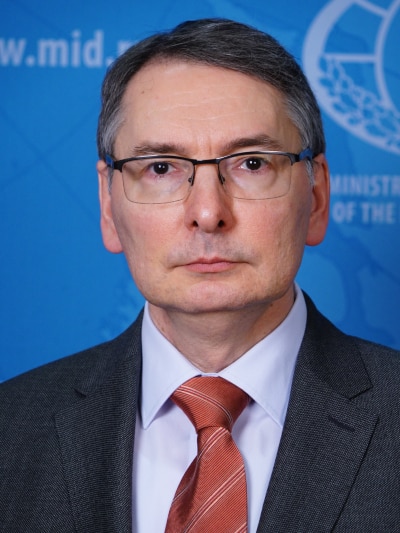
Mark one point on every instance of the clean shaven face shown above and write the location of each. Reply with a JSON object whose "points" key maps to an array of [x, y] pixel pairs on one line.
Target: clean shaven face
{"points": [[210, 252]]}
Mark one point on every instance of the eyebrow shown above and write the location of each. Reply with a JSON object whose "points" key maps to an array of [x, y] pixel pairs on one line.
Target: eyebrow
{"points": [[157, 148], [262, 142]]}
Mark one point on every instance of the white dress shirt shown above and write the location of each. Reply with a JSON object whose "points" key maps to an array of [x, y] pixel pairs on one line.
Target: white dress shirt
{"points": [[165, 439]]}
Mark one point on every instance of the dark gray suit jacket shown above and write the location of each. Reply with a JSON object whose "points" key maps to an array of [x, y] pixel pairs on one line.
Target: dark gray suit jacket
{"points": [[66, 434]]}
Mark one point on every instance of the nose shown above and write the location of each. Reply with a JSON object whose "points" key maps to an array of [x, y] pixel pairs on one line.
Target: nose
{"points": [[208, 207]]}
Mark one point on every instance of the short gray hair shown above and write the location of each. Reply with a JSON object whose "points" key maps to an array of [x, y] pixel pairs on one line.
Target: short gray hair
{"points": [[221, 43]]}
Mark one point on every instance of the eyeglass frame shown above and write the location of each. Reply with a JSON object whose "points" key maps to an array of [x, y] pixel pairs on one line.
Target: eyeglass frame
{"points": [[306, 154]]}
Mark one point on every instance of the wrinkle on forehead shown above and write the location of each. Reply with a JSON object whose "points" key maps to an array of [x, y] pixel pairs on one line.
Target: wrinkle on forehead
{"points": [[261, 142], [147, 82], [206, 106]]}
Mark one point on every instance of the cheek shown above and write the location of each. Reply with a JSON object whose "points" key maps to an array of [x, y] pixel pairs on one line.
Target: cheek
{"points": [[281, 233], [294, 232], [145, 232]]}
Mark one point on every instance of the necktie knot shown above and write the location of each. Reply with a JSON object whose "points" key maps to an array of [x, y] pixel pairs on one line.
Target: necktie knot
{"points": [[210, 402]]}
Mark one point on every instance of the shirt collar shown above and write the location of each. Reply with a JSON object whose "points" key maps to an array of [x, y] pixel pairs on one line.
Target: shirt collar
{"points": [[265, 372]]}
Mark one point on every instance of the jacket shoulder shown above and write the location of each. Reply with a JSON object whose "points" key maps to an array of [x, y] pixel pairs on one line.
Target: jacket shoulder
{"points": [[344, 360], [52, 385]]}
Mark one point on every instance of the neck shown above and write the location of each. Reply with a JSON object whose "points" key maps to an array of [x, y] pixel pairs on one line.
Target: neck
{"points": [[213, 341]]}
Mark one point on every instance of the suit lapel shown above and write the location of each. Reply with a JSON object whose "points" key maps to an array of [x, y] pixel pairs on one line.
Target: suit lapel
{"points": [[96, 436], [327, 431]]}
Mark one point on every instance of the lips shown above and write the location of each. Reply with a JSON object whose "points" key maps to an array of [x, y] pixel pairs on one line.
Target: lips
{"points": [[214, 265]]}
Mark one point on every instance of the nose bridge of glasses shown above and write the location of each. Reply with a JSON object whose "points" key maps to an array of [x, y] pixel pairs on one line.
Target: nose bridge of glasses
{"points": [[200, 162]]}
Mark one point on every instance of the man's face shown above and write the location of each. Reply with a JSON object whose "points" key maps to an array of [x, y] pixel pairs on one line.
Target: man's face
{"points": [[211, 252]]}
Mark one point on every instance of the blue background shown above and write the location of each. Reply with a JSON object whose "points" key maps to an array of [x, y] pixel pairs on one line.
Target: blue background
{"points": [[60, 290]]}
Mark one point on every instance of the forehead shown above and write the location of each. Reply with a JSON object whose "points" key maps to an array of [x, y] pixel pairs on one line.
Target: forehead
{"points": [[188, 103]]}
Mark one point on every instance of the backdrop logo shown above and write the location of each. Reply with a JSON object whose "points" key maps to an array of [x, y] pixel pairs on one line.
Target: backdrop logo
{"points": [[50, 52], [350, 57]]}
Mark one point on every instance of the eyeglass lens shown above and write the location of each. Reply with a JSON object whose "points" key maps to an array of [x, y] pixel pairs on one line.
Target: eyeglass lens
{"points": [[244, 176]]}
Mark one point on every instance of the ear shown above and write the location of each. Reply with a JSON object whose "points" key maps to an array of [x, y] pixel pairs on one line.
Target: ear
{"points": [[319, 215], [108, 230]]}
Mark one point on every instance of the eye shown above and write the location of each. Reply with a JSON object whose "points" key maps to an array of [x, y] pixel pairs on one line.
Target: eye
{"points": [[253, 163], [160, 167]]}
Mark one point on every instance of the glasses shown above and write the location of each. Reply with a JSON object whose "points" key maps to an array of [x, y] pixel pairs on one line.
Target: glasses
{"points": [[160, 179]]}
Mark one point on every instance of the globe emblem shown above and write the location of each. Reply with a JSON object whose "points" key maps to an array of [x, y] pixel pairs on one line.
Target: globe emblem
{"points": [[351, 57]]}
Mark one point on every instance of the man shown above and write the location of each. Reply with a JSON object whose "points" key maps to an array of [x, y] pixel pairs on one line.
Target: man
{"points": [[212, 179]]}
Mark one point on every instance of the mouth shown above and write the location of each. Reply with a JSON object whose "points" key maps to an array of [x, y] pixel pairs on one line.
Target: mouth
{"points": [[210, 266]]}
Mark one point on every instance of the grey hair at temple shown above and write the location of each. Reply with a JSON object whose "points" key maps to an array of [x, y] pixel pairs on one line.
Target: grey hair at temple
{"points": [[221, 43]]}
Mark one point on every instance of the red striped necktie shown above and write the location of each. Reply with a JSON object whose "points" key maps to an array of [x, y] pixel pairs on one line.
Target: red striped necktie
{"points": [[212, 494]]}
